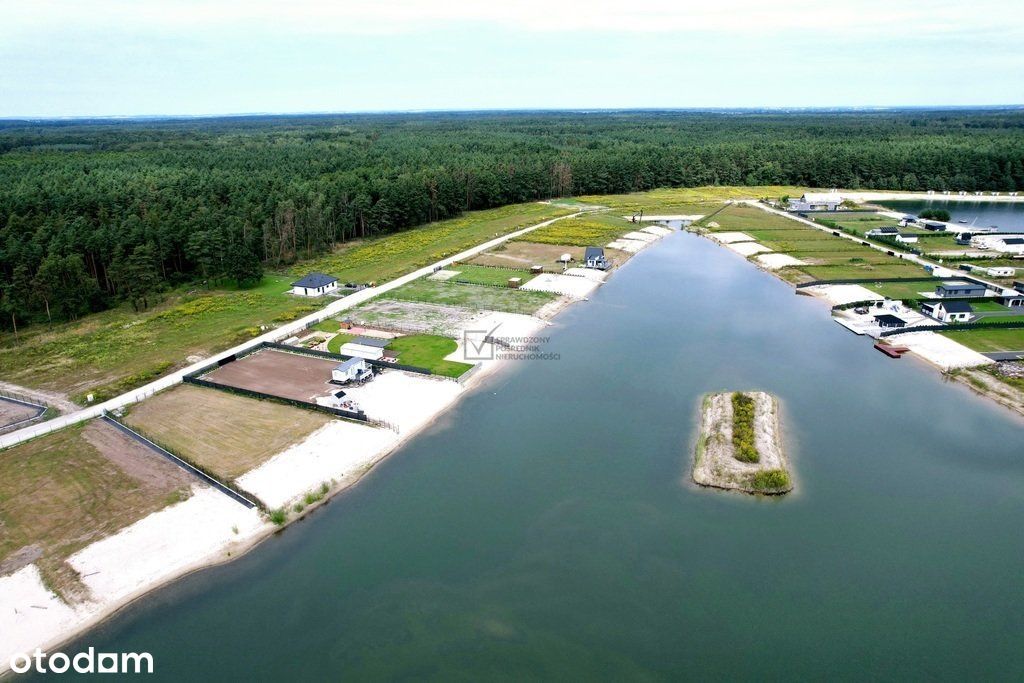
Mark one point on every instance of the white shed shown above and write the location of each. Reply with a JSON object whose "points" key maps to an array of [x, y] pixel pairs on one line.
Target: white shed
{"points": [[350, 370]]}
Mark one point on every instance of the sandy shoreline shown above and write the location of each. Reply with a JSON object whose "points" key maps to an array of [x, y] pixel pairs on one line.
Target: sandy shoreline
{"points": [[118, 569]]}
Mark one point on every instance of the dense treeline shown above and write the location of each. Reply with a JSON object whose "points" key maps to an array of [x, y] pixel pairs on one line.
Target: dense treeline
{"points": [[92, 212]]}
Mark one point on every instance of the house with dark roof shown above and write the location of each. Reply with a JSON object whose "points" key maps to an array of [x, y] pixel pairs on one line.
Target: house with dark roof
{"points": [[315, 284], [960, 288], [594, 257], [888, 321], [948, 311]]}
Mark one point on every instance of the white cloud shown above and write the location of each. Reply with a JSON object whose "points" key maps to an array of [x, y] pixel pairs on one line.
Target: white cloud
{"points": [[913, 19]]}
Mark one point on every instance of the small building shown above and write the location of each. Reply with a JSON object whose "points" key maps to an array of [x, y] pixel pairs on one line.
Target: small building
{"points": [[888, 321], [371, 348], [934, 226], [960, 288], [906, 238], [594, 258], [515, 282], [948, 311], [315, 284], [352, 370], [884, 231], [816, 201], [1019, 286], [1001, 271]]}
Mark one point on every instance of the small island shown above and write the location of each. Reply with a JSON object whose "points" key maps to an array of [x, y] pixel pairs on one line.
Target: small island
{"points": [[740, 444]]}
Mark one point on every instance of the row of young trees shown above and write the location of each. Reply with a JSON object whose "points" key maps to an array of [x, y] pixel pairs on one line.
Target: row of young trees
{"points": [[92, 213]]}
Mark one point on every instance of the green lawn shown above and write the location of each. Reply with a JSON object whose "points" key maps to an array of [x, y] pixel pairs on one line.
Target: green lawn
{"points": [[582, 231], [990, 340], [910, 289], [472, 297], [335, 343], [484, 275], [428, 351], [743, 218], [988, 306], [863, 270]]}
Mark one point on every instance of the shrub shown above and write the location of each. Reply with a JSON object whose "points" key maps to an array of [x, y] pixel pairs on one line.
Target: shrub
{"points": [[770, 480], [278, 516], [935, 215], [743, 428]]}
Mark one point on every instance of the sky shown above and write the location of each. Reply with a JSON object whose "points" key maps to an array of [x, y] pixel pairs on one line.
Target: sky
{"points": [[208, 57]]}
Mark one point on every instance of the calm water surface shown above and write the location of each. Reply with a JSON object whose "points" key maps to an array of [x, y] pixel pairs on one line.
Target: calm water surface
{"points": [[545, 528], [1005, 216]]}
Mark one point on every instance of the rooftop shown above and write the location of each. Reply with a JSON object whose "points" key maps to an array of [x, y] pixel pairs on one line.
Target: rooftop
{"points": [[957, 307], [314, 280], [375, 342], [350, 363]]}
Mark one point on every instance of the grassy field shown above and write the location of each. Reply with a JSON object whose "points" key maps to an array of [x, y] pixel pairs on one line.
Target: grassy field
{"points": [[472, 297], [385, 258], [428, 351], [743, 218], [224, 433], [526, 254], [482, 275], [686, 201], [113, 351], [65, 490], [910, 289], [991, 340], [892, 268], [583, 231], [860, 223]]}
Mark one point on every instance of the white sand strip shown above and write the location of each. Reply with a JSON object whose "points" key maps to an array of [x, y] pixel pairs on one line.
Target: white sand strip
{"points": [[164, 544], [628, 246], [339, 451], [636, 235], [32, 615], [405, 399], [443, 275], [589, 273], [942, 351], [657, 230], [566, 285], [730, 237], [778, 261], [843, 294], [747, 248], [679, 217]]}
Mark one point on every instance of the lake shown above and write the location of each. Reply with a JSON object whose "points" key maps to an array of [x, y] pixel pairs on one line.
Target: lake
{"points": [[1007, 216], [546, 527]]}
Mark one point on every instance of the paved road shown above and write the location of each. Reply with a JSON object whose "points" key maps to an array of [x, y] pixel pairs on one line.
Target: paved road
{"points": [[277, 334], [913, 258]]}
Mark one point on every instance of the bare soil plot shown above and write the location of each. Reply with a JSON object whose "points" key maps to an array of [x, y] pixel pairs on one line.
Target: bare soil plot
{"points": [[290, 375], [224, 433], [13, 411], [526, 254], [70, 488], [412, 317]]}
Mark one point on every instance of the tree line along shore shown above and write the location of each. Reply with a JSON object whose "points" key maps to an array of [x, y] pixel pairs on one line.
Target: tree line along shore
{"points": [[96, 213]]}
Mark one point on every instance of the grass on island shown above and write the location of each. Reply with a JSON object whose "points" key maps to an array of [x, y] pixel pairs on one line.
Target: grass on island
{"points": [[770, 480], [222, 433], [384, 258], [428, 351], [70, 488], [117, 350], [484, 275], [582, 231], [744, 448], [472, 297], [990, 340], [113, 351]]}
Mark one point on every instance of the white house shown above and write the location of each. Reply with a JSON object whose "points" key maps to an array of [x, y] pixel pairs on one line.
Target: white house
{"points": [[315, 284], [948, 311], [1001, 242], [365, 347], [816, 201], [352, 370]]}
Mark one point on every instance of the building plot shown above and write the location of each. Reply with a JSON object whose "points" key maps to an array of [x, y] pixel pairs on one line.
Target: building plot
{"points": [[224, 433], [67, 489], [278, 373], [572, 286], [13, 412]]}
